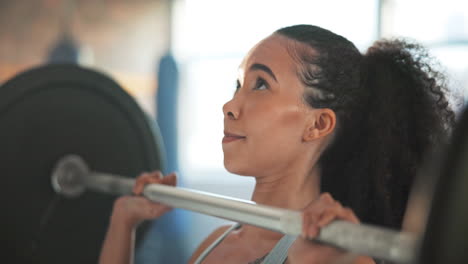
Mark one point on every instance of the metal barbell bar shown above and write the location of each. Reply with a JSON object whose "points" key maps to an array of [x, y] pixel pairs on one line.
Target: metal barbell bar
{"points": [[71, 177]]}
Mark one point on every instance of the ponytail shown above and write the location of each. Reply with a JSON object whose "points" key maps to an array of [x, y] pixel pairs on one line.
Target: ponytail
{"points": [[406, 115]]}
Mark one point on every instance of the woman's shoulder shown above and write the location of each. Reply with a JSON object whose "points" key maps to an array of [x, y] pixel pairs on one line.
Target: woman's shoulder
{"points": [[208, 241]]}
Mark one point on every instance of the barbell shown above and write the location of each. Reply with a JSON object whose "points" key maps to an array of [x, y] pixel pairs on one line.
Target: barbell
{"points": [[71, 177], [49, 112]]}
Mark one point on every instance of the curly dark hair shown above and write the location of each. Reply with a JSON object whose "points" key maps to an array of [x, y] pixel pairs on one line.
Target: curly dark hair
{"points": [[391, 109]]}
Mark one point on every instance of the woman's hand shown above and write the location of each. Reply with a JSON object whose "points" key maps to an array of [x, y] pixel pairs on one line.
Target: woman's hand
{"points": [[128, 212], [315, 216], [131, 210]]}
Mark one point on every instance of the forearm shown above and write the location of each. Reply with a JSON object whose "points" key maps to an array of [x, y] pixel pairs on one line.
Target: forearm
{"points": [[119, 244]]}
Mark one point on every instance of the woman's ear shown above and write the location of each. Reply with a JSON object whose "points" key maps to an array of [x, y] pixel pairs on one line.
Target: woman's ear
{"points": [[322, 123]]}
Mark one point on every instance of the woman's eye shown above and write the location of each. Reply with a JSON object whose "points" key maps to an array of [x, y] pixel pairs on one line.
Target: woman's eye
{"points": [[237, 86], [260, 84]]}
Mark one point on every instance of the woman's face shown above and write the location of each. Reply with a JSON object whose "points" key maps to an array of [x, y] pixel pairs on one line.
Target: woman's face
{"points": [[265, 120]]}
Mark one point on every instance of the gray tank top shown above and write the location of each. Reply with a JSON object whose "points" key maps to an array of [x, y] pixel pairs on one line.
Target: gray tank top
{"points": [[277, 255]]}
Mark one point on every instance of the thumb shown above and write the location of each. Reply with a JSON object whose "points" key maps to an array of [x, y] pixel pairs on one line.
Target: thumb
{"points": [[153, 210]]}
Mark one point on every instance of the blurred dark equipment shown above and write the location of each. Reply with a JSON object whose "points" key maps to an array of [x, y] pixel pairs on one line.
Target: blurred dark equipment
{"points": [[46, 113], [66, 50], [167, 105], [445, 238]]}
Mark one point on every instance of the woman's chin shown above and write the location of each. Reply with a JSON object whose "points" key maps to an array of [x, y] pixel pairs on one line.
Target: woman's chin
{"points": [[236, 169]]}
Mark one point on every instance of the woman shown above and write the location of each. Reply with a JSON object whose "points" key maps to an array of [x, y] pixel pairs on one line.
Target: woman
{"points": [[310, 117]]}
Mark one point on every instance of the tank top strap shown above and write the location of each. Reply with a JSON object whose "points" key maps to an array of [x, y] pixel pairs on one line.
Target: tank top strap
{"points": [[216, 243], [279, 253]]}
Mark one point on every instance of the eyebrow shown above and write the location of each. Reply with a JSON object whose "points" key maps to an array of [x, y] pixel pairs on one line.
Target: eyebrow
{"points": [[262, 67]]}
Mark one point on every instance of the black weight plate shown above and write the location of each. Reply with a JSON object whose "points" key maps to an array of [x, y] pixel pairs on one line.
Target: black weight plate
{"points": [[49, 112]]}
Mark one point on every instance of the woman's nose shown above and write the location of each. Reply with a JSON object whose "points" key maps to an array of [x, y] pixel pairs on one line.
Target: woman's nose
{"points": [[230, 110]]}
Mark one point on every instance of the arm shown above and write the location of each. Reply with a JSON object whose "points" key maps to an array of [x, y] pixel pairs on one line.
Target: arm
{"points": [[127, 213], [119, 243]]}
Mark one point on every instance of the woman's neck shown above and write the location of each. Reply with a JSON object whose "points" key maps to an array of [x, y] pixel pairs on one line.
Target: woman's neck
{"points": [[290, 191]]}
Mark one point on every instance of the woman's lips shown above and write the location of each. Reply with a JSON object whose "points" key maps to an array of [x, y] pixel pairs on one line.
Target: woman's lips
{"points": [[229, 137]]}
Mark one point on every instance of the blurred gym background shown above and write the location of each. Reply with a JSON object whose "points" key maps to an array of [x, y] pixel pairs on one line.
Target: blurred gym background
{"points": [[179, 60]]}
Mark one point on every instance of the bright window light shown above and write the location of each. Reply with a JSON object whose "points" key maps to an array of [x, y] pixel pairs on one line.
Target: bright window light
{"points": [[442, 26], [435, 21]]}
